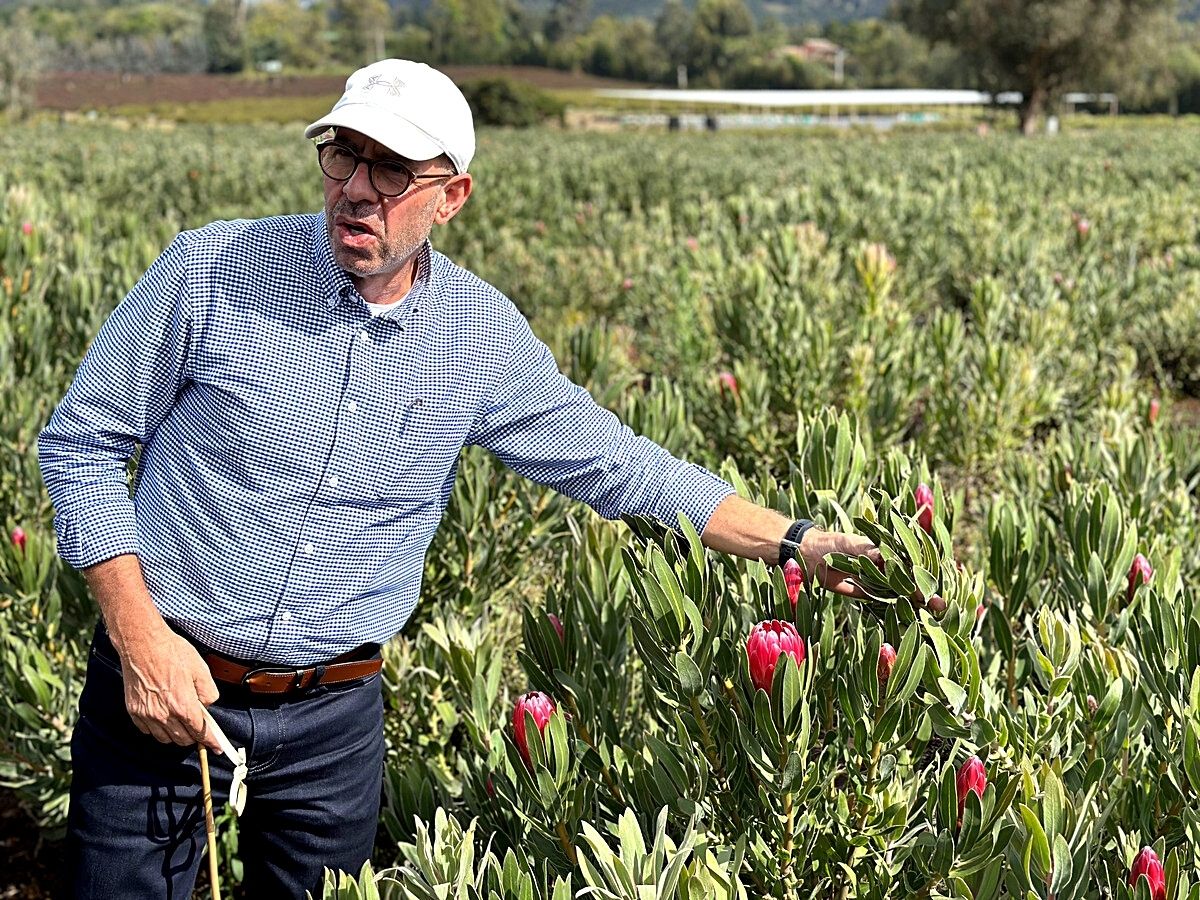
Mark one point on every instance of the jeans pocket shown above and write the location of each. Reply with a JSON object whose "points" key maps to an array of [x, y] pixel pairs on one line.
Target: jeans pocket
{"points": [[103, 650]]}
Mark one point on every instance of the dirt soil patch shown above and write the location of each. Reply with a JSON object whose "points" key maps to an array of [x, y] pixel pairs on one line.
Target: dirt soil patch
{"points": [[101, 90], [32, 866]]}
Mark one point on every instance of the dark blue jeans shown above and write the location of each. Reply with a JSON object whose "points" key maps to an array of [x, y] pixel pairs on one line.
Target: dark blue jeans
{"points": [[136, 821]]}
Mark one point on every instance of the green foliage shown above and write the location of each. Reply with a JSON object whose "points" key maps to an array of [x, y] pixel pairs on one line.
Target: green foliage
{"points": [[501, 101], [1040, 48], [893, 313]]}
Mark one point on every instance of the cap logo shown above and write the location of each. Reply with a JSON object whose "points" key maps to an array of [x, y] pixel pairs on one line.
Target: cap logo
{"points": [[394, 87]]}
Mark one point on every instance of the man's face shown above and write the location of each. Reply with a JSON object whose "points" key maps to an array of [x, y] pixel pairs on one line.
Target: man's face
{"points": [[372, 234]]}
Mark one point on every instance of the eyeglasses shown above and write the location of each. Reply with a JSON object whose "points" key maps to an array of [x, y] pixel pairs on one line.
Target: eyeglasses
{"points": [[388, 177]]}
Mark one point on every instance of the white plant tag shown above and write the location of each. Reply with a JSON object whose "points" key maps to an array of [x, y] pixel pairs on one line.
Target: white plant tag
{"points": [[237, 788]]}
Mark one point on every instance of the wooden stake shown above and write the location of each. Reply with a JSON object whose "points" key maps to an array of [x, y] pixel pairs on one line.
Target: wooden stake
{"points": [[209, 826]]}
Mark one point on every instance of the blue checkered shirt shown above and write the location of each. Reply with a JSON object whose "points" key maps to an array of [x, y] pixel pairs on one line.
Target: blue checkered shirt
{"points": [[298, 453]]}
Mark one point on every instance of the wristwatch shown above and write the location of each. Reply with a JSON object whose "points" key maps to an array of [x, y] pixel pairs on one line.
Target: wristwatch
{"points": [[789, 547]]}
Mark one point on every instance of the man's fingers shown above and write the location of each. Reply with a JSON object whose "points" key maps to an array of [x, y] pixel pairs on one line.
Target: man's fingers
{"points": [[202, 734], [155, 730]]}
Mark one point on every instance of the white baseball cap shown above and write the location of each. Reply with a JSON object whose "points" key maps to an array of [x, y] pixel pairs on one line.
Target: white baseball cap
{"points": [[408, 107]]}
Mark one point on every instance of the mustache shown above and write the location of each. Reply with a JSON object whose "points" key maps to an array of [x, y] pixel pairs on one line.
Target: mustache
{"points": [[359, 211]]}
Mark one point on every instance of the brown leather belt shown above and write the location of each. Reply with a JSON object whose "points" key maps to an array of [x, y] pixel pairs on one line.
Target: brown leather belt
{"points": [[271, 679]]}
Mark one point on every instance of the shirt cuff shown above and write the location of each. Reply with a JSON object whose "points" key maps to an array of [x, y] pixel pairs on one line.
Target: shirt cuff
{"points": [[87, 537], [700, 499]]}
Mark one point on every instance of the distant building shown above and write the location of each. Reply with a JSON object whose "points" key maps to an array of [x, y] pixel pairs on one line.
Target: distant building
{"points": [[816, 50]]}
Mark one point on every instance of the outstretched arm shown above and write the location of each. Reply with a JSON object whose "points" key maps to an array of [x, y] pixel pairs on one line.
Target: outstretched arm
{"points": [[745, 529]]}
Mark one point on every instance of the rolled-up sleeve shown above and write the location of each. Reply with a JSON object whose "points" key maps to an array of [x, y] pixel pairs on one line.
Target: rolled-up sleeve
{"points": [[126, 385], [545, 427]]}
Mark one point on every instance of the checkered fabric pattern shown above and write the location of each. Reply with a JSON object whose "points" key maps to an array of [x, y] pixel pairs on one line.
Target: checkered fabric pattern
{"points": [[298, 453]]}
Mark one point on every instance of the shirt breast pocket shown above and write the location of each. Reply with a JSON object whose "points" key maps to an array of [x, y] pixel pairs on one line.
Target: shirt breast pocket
{"points": [[424, 446]]}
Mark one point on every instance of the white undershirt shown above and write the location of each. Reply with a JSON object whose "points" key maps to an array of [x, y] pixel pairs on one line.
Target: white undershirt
{"points": [[378, 309]]}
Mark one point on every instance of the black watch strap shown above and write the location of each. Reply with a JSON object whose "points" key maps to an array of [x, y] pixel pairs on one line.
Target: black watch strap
{"points": [[789, 547]]}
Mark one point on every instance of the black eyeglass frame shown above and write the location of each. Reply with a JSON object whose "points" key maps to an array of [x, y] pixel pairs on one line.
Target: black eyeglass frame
{"points": [[371, 164]]}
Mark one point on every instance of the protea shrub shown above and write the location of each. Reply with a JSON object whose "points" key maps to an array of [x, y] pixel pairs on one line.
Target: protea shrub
{"points": [[924, 497], [793, 578], [1148, 866], [972, 778], [728, 382], [1139, 573], [767, 641], [887, 662], [541, 707]]}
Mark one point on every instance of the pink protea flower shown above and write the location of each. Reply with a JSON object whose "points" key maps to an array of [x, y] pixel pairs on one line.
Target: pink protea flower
{"points": [[887, 662], [1139, 573], [1148, 866], [766, 642], [924, 497], [18, 538], [692, 244], [557, 623], [541, 707], [728, 382], [1152, 411], [1083, 227], [627, 284], [793, 578], [972, 778], [27, 228]]}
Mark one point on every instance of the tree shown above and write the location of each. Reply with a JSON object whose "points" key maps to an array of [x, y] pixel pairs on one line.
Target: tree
{"points": [[1041, 47], [20, 58], [225, 35], [467, 31], [672, 30], [362, 29], [286, 31]]}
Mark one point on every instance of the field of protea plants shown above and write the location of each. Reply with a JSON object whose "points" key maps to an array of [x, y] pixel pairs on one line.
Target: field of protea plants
{"points": [[980, 352]]}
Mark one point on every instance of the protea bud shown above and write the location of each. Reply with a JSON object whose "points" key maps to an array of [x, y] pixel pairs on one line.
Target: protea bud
{"points": [[1092, 704], [766, 642], [924, 497], [972, 777], [936, 604], [558, 625], [1148, 865], [887, 662], [541, 707], [18, 538], [1139, 573], [728, 382], [793, 577], [27, 228], [1152, 411], [491, 788], [627, 284]]}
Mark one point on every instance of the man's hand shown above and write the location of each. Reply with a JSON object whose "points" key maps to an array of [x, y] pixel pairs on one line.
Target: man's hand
{"points": [[167, 686], [816, 545]]}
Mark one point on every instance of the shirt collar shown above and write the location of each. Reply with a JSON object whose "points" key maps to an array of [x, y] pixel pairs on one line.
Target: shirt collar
{"points": [[334, 282], [336, 286]]}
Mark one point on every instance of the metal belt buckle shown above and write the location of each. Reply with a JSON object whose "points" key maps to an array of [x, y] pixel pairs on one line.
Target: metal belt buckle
{"points": [[272, 670], [237, 787]]}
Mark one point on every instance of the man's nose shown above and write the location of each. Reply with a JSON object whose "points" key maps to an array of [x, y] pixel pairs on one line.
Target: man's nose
{"points": [[358, 186]]}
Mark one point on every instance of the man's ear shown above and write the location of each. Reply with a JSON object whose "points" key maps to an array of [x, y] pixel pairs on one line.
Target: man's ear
{"points": [[454, 195]]}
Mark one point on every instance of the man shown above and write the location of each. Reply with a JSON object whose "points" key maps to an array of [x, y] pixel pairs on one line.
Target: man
{"points": [[301, 387]]}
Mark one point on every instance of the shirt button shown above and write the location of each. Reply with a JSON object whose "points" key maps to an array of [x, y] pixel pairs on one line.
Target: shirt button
{"points": [[333, 481], [285, 616], [352, 406], [364, 337], [308, 549]]}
